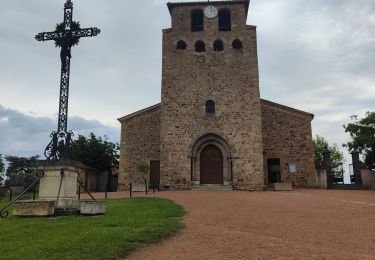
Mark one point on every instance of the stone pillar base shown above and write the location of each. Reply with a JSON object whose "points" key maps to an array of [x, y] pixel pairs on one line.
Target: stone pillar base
{"points": [[56, 172]]}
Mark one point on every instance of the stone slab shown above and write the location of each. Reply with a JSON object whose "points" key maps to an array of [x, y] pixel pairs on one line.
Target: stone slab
{"points": [[215, 187], [139, 187], [30, 208], [64, 203], [168, 187], [282, 186], [93, 207]]}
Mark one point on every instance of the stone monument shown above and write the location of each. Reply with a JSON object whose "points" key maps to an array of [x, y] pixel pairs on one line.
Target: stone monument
{"points": [[59, 182]]}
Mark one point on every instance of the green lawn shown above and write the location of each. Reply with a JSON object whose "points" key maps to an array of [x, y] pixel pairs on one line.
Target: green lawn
{"points": [[3, 201], [128, 224]]}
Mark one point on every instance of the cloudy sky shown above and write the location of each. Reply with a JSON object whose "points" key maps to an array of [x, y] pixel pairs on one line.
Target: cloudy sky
{"points": [[314, 55]]}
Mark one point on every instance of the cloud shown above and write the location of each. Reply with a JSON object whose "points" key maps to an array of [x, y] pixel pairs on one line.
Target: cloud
{"points": [[318, 56], [314, 55], [27, 135]]}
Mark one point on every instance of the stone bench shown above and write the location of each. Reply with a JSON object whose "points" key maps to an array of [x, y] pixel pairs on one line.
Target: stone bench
{"points": [[32, 208], [139, 186], [92, 207]]}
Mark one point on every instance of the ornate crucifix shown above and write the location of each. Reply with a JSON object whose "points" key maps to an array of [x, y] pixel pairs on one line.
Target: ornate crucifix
{"points": [[66, 35]]}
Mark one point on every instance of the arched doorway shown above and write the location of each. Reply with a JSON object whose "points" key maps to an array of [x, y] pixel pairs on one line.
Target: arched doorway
{"points": [[195, 151], [211, 165]]}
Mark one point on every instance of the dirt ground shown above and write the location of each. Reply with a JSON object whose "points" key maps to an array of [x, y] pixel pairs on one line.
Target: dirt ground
{"points": [[302, 224]]}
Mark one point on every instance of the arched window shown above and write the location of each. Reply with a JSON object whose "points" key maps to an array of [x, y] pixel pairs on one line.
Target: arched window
{"points": [[224, 20], [197, 20], [218, 45], [200, 47], [181, 45], [237, 44], [210, 107]]}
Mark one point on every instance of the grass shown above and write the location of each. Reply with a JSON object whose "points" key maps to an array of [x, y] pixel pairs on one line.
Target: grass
{"points": [[128, 224]]}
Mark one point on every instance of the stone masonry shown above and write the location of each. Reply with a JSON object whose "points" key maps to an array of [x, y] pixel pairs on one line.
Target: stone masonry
{"points": [[287, 135], [140, 141], [229, 78], [246, 129]]}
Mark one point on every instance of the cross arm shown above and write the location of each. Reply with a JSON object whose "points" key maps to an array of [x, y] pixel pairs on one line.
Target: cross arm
{"points": [[86, 32], [48, 36]]}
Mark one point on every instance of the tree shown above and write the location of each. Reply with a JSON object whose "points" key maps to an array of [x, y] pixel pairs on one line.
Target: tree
{"points": [[362, 132], [21, 170], [95, 152], [143, 167], [320, 144], [21, 165]]}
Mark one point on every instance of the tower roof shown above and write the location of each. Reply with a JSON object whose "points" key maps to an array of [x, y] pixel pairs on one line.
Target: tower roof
{"points": [[227, 2]]}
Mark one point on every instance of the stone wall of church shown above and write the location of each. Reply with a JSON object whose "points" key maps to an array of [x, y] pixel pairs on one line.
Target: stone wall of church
{"points": [[140, 141], [287, 135], [247, 129], [229, 78]]}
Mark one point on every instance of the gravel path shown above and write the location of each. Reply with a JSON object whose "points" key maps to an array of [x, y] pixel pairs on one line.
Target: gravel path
{"points": [[303, 224]]}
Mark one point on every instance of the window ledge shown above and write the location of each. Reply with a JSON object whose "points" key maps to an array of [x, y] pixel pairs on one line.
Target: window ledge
{"points": [[203, 53]]}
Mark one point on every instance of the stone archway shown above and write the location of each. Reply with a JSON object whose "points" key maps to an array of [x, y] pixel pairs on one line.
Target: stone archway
{"points": [[195, 151], [211, 165]]}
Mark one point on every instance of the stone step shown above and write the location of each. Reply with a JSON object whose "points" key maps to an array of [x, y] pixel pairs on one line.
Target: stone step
{"points": [[217, 187], [347, 187], [282, 186]]}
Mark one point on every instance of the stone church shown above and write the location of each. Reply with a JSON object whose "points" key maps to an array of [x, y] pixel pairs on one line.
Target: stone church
{"points": [[211, 127]]}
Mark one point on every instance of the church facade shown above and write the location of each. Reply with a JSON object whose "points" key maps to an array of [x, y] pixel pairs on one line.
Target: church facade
{"points": [[211, 126]]}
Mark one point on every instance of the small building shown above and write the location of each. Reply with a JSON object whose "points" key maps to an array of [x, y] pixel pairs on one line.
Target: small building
{"points": [[211, 126], [95, 180]]}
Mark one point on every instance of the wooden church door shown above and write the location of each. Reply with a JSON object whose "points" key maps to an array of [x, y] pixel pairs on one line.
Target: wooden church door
{"points": [[211, 165], [154, 173]]}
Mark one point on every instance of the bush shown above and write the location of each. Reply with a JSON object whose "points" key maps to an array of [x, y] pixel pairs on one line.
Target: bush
{"points": [[143, 167]]}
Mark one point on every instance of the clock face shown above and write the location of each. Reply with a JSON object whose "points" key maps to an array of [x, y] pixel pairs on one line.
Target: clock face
{"points": [[210, 11]]}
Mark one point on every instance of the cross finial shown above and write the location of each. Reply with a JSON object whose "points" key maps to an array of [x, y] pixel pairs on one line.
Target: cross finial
{"points": [[66, 35], [68, 4]]}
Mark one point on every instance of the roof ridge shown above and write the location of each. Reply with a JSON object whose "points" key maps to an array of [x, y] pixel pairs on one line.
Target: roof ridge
{"points": [[267, 102], [136, 113]]}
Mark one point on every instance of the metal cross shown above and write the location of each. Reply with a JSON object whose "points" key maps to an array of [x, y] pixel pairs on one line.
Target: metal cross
{"points": [[66, 35]]}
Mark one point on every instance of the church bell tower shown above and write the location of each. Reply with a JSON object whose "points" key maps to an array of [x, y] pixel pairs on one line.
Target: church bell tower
{"points": [[211, 125]]}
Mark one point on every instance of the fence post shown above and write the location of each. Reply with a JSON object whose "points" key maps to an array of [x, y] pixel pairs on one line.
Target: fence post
{"points": [[79, 192], [10, 194], [106, 191], [146, 186], [327, 164], [34, 191], [131, 189], [356, 168]]}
